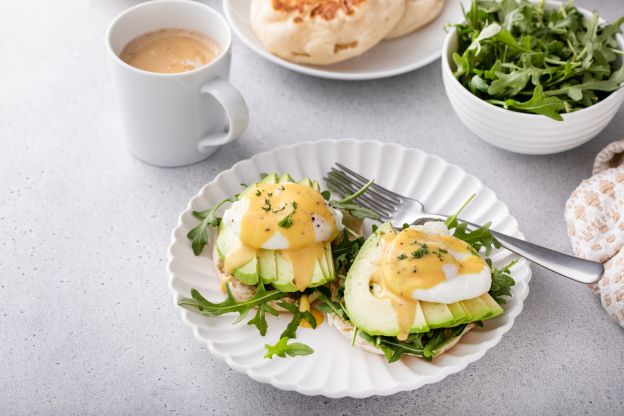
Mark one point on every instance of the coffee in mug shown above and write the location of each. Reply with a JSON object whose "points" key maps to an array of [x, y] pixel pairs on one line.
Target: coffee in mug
{"points": [[170, 51], [179, 107]]}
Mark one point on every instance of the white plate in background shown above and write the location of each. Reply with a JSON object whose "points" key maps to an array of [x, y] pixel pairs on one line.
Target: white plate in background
{"points": [[386, 59], [336, 369]]}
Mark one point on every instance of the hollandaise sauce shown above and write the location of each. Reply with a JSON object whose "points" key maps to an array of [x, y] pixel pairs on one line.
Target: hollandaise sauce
{"points": [[304, 306]]}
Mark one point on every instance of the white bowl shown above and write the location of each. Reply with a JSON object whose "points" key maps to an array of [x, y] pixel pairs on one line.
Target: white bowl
{"points": [[521, 132]]}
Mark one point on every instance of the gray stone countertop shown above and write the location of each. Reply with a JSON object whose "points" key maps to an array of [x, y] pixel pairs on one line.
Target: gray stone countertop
{"points": [[87, 325]]}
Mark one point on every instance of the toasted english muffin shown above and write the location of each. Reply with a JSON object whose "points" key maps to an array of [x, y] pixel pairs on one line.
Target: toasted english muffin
{"points": [[417, 14], [347, 328], [323, 32]]}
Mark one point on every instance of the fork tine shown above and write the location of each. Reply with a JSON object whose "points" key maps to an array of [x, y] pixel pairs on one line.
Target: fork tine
{"points": [[353, 187], [388, 193], [370, 191], [362, 201]]}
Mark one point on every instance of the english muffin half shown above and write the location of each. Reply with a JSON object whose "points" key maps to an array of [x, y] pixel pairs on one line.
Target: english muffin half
{"points": [[323, 32], [417, 14]]}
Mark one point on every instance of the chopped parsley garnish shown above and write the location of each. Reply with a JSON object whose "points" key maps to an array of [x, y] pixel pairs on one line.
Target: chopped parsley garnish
{"points": [[267, 205], [258, 192], [402, 256], [421, 252], [287, 221]]}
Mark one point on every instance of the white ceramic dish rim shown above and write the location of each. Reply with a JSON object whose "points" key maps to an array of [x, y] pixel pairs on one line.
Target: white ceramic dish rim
{"points": [[398, 387], [304, 69], [454, 82], [539, 134]]}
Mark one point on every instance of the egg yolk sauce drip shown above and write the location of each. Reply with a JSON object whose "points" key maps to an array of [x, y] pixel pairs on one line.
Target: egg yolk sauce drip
{"points": [[294, 211], [413, 260]]}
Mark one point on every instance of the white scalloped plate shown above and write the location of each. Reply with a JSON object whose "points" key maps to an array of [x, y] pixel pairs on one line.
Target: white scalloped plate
{"points": [[387, 59], [336, 369]]}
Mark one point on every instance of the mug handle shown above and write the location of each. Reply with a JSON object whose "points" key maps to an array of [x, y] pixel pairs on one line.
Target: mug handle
{"points": [[235, 109]]}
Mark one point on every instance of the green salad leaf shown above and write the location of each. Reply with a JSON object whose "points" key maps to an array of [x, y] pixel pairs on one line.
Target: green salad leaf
{"points": [[328, 305], [480, 238], [298, 316], [230, 304], [199, 235], [282, 348], [349, 204], [259, 320], [502, 282], [524, 56]]}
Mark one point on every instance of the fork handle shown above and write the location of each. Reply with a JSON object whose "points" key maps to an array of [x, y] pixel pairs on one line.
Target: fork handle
{"points": [[575, 268]]}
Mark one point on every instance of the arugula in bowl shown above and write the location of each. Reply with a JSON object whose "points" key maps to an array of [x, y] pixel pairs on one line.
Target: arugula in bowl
{"points": [[537, 57]]}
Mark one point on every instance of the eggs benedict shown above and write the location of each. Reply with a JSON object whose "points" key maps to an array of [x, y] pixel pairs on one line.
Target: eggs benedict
{"points": [[278, 232], [415, 284]]}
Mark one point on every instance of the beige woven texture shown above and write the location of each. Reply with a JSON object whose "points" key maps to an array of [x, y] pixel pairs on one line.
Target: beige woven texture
{"points": [[595, 217]]}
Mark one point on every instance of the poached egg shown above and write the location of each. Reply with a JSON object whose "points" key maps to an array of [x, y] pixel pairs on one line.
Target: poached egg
{"points": [[283, 216], [426, 263]]}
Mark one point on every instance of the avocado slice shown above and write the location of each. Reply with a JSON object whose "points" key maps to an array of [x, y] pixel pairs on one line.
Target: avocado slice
{"points": [[330, 272], [285, 275], [437, 315], [267, 266], [226, 241], [495, 308], [420, 323], [268, 179], [306, 182], [459, 313], [477, 309], [285, 178], [248, 274], [316, 186]]}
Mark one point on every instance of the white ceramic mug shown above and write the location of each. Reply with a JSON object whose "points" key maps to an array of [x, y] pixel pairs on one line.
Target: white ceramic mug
{"points": [[182, 118]]}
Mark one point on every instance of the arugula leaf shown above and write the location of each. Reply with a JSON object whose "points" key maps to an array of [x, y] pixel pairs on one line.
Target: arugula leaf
{"points": [[452, 221], [347, 203], [327, 305], [259, 319], [478, 238], [230, 304], [355, 210], [282, 349], [291, 329], [441, 337], [199, 235], [540, 104], [502, 282]]}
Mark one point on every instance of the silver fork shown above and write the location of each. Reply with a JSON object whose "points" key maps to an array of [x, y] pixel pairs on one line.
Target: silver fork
{"points": [[399, 210]]}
